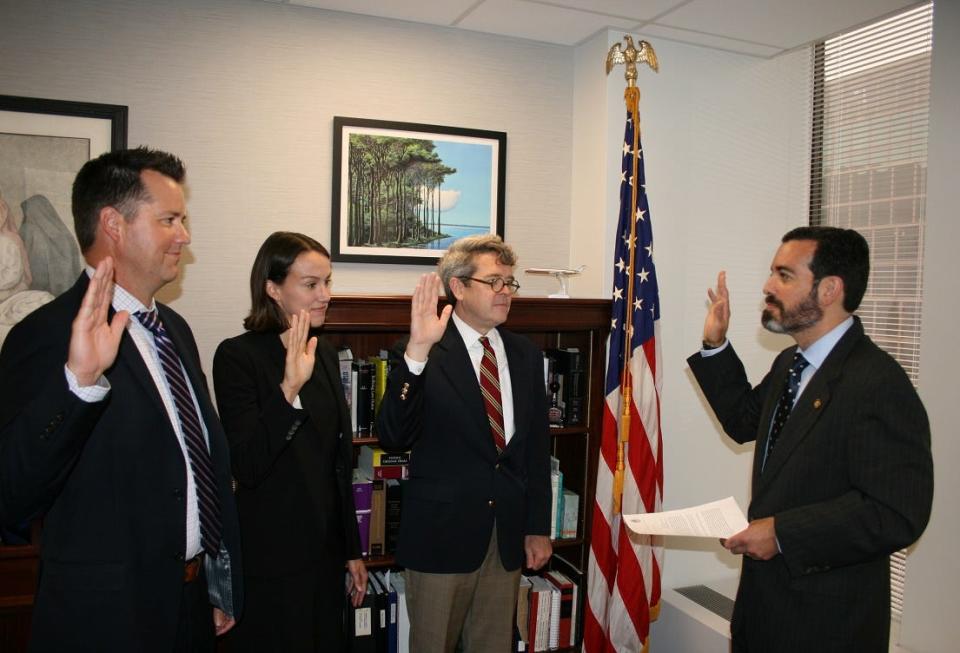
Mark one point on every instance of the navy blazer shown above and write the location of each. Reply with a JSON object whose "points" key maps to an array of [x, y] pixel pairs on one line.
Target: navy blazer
{"points": [[458, 483], [849, 482], [109, 479]]}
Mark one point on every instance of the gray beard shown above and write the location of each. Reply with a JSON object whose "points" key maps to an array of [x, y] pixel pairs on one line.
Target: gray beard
{"points": [[804, 316]]}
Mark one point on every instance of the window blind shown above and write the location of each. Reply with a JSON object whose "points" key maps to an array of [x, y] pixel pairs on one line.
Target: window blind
{"points": [[869, 170]]}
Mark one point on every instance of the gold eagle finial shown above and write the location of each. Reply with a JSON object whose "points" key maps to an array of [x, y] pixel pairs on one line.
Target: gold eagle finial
{"points": [[631, 55]]}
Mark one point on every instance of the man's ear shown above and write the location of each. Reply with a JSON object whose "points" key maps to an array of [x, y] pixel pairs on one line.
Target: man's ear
{"points": [[457, 287], [111, 223], [831, 290]]}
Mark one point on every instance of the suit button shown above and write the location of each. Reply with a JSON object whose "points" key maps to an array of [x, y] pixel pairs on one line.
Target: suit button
{"points": [[491, 503], [177, 494], [179, 556], [58, 418]]}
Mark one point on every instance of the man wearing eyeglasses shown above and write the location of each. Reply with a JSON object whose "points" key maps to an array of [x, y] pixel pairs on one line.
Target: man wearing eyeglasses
{"points": [[468, 398]]}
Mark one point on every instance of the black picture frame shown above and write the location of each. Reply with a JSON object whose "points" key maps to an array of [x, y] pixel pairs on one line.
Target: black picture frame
{"points": [[115, 114], [388, 195]]}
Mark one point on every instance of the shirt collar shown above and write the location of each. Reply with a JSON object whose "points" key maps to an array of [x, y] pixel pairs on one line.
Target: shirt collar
{"points": [[471, 337], [122, 299], [818, 351]]}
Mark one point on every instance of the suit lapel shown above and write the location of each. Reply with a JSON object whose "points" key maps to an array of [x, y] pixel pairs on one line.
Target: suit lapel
{"points": [[194, 374], [810, 405], [327, 376], [129, 356], [781, 367], [519, 382]]}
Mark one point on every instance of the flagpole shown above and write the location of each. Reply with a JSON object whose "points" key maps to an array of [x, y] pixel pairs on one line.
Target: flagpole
{"points": [[629, 55], [631, 96]]}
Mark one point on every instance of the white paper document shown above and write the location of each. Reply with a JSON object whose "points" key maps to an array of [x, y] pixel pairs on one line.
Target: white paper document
{"points": [[719, 519]]}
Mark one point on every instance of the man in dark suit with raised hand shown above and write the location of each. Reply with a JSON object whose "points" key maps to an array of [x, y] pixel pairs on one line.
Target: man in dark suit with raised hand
{"points": [[842, 472], [108, 432], [469, 399]]}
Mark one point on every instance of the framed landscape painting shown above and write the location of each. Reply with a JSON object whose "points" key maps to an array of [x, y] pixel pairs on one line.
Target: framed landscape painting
{"points": [[403, 192]]}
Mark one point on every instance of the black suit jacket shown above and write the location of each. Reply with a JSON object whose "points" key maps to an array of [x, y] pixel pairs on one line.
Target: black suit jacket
{"points": [[849, 482], [458, 484], [110, 479], [285, 494]]}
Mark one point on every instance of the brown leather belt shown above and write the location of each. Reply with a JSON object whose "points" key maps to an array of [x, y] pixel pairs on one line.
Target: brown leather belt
{"points": [[191, 569]]}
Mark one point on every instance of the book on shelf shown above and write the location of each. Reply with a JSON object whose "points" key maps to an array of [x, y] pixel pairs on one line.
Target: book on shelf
{"points": [[386, 582], [381, 605], [556, 497], [381, 370], [359, 624], [565, 606], [399, 583], [378, 515], [571, 515], [523, 610], [345, 357], [378, 464], [362, 500], [575, 576], [362, 398], [541, 593], [394, 507]]}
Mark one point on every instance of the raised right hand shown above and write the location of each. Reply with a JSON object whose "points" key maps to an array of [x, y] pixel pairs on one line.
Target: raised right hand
{"points": [[301, 355], [718, 314], [94, 340], [426, 328]]}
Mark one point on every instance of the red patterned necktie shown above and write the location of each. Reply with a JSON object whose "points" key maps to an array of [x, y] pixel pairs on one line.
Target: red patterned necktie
{"points": [[490, 388]]}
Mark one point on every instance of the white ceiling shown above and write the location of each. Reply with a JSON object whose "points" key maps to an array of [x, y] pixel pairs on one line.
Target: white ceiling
{"points": [[763, 28]]}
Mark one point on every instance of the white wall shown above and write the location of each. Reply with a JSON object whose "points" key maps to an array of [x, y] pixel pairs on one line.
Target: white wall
{"points": [[245, 92], [930, 621]]}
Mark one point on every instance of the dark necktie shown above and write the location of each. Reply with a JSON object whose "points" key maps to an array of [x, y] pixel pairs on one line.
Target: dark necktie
{"points": [[490, 388], [208, 499], [787, 399]]}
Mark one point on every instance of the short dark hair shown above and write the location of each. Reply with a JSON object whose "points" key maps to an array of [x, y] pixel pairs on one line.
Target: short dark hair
{"points": [[842, 253], [276, 255], [113, 179]]}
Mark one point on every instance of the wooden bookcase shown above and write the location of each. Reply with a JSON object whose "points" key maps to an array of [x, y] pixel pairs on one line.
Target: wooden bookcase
{"points": [[368, 324]]}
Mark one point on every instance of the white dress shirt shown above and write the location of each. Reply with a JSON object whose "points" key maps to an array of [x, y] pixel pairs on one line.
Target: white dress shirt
{"points": [[471, 339]]}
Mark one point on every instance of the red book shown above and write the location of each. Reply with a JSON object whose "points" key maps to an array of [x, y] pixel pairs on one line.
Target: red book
{"points": [[565, 585]]}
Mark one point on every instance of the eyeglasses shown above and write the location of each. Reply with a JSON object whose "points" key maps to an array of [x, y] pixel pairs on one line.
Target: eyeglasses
{"points": [[497, 284]]}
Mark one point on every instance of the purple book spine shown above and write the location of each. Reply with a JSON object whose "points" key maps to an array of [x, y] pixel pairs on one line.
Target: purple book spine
{"points": [[363, 524], [362, 495]]}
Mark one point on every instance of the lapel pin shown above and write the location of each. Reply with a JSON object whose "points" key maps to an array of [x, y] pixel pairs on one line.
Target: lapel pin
{"points": [[817, 403]]}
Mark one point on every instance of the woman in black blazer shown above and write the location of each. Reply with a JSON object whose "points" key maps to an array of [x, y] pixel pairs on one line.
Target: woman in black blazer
{"points": [[282, 405]]}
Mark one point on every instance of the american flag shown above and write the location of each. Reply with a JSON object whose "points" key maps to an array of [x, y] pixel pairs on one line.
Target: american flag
{"points": [[623, 590]]}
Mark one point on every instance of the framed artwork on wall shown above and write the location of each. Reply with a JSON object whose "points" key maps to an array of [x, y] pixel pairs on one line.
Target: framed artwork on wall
{"points": [[43, 143], [402, 192]]}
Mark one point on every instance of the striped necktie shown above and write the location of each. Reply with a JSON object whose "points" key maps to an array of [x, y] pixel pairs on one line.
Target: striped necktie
{"points": [[208, 499], [490, 388]]}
